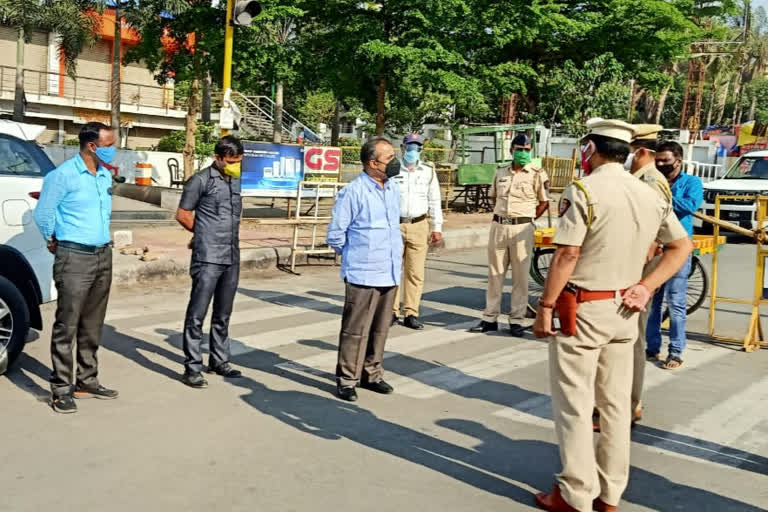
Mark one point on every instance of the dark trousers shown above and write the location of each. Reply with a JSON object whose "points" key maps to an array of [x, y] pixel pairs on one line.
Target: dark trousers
{"points": [[83, 281], [219, 282], [364, 329]]}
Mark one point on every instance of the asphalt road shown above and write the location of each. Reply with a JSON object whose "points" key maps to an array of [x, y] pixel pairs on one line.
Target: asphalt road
{"points": [[468, 428]]}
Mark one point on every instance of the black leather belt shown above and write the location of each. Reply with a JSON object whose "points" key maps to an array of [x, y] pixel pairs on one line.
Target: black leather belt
{"points": [[91, 249], [412, 220], [512, 220]]}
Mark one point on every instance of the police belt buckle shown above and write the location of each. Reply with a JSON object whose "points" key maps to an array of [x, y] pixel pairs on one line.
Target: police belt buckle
{"points": [[512, 220]]}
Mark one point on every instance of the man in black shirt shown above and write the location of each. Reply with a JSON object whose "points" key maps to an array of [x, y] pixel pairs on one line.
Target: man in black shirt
{"points": [[210, 207]]}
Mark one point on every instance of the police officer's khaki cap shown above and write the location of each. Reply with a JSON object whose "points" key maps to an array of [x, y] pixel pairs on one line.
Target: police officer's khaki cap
{"points": [[647, 131], [612, 128]]}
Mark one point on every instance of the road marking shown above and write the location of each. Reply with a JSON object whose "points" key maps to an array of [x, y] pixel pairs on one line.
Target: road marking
{"points": [[408, 343], [436, 381]]}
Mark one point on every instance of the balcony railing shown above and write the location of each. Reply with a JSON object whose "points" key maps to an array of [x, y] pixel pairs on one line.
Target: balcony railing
{"points": [[43, 84]]}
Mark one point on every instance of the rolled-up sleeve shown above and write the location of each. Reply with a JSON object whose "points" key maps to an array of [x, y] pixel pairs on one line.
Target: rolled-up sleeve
{"points": [[54, 190], [340, 220]]}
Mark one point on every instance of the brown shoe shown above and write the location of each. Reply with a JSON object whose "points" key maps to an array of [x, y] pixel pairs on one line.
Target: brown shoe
{"points": [[595, 420], [601, 506], [553, 501]]}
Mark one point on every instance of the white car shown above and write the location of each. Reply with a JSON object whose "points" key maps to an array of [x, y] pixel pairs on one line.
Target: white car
{"points": [[748, 176], [26, 266]]}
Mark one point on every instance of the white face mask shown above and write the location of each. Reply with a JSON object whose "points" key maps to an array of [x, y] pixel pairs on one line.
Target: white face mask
{"points": [[628, 162]]}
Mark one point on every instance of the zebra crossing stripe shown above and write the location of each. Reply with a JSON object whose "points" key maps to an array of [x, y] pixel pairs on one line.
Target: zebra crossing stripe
{"points": [[408, 343], [436, 381]]}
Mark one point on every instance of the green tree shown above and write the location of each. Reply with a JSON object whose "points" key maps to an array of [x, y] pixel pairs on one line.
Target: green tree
{"points": [[75, 21]]}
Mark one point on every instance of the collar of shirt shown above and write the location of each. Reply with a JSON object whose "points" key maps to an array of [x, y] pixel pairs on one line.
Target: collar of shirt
{"points": [[610, 167], [416, 166], [372, 184], [644, 170], [82, 168]]}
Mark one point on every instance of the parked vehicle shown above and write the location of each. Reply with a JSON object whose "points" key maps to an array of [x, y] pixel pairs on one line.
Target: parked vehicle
{"points": [[26, 265], [748, 176]]}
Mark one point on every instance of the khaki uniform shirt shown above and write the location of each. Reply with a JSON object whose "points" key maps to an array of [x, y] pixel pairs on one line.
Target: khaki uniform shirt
{"points": [[518, 193], [651, 176], [627, 216]]}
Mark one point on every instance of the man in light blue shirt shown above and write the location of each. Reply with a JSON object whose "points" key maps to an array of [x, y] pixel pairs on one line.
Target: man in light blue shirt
{"points": [[73, 215], [365, 231]]}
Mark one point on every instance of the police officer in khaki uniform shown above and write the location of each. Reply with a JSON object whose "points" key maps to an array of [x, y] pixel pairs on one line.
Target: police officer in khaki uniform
{"points": [[641, 162], [520, 190], [607, 222]]}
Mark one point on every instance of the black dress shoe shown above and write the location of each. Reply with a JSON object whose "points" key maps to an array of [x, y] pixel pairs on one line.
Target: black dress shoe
{"points": [[95, 392], [225, 370], [484, 326], [516, 330], [64, 404], [194, 380], [378, 387], [412, 322], [347, 393], [394, 319]]}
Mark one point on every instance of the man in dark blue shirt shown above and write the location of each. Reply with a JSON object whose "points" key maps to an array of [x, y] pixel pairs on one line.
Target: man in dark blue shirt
{"points": [[210, 207], [73, 215], [687, 196]]}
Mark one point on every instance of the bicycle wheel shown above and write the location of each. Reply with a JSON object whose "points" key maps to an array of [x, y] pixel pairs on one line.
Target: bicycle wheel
{"points": [[540, 262], [698, 287]]}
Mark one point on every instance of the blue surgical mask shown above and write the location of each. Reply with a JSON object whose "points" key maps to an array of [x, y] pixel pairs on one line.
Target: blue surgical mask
{"points": [[106, 154], [411, 155]]}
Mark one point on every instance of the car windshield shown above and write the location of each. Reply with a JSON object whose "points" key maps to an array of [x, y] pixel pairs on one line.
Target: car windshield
{"points": [[749, 168], [22, 158]]}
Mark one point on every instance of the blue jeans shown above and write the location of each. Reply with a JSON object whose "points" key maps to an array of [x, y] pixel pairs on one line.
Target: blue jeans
{"points": [[675, 289]]}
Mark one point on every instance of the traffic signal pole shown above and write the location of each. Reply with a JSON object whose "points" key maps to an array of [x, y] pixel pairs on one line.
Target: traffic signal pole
{"points": [[229, 36]]}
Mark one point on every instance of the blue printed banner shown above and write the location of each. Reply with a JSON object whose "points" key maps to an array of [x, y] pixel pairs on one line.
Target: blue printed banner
{"points": [[272, 170]]}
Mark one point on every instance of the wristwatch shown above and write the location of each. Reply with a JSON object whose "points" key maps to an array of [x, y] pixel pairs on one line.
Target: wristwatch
{"points": [[546, 305]]}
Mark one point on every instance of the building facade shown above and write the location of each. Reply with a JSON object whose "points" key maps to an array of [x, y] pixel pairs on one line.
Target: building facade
{"points": [[63, 105]]}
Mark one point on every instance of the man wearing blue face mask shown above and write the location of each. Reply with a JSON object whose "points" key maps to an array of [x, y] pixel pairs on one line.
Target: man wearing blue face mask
{"points": [[419, 198], [73, 215]]}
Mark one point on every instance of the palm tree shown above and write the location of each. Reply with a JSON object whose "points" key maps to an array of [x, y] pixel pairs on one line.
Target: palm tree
{"points": [[75, 21]]}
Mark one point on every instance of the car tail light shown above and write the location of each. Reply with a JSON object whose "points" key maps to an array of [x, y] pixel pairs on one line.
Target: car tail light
{"points": [[34, 195]]}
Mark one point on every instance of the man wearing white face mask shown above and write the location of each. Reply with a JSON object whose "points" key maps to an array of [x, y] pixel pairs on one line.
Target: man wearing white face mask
{"points": [[419, 197], [210, 207]]}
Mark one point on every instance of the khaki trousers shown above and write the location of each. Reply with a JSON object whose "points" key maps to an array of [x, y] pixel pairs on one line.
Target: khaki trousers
{"points": [[364, 328], [593, 369], [509, 247], [415, 245], [638, 374]]}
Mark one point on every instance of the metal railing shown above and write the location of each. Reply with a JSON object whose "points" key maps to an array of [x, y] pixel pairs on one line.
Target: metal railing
{"points": [[560, 171], [40, 84], [706, 172]]}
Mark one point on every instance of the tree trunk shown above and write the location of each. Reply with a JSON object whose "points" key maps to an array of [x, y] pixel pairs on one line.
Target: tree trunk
{"points": [[752, 108], [193, 108], [660, 103], [18, 101], [381, 96], [277, 129], [114, 96], [206, 114], [721, 97], [712, 99], [336, 127], [738, 89]]}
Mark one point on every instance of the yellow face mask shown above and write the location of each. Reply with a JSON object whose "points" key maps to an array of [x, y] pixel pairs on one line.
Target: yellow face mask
{"points": [[233, 170]]}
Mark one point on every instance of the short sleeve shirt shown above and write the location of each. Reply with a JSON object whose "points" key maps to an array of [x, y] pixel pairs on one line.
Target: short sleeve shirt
{"points": [[517, 193], [627, 216], [216, 201], [651, 176]]}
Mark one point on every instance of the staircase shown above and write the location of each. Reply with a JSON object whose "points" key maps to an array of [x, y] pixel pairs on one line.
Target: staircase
{"points": [[258, 120]]}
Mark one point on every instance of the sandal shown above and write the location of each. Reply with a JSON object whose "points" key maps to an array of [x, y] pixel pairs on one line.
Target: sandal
{"points": [[654, 358], [672, 363]]}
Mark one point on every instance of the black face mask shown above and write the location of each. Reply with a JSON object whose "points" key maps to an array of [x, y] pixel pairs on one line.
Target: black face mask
{"points": [[393, 168], [666, 169]]}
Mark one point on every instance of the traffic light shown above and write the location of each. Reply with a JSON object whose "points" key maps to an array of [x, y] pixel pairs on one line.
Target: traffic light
{"points": [[244, 11]]}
